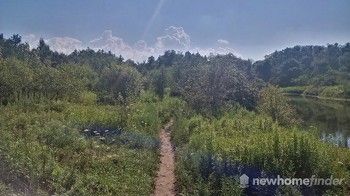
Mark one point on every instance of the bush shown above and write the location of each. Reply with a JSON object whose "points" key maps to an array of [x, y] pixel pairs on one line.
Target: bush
{"points": [[273, 103], [88, 98]]}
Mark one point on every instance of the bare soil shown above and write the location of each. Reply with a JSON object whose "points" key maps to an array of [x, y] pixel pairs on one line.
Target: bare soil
{"points": [[165, 181]]}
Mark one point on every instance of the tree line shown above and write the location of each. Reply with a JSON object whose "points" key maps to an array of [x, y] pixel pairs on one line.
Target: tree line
{"points": [[316, 66], [209, 84]]}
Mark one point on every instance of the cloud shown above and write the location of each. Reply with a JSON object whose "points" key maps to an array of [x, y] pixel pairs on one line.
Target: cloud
{"points": [[60, 44], [173, 38], [221, 47], [31, 39], [223, 42], [142, 51], [64, 44], [108, 42]]}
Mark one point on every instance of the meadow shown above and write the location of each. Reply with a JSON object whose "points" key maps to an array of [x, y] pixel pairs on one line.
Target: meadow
{"points": [[87, 123], [45, 147]]}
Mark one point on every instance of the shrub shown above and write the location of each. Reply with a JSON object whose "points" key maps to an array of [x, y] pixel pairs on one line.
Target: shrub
{"points": [[273, 103], [88, 98]]}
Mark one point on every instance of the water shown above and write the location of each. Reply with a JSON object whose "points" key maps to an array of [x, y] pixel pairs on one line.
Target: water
{"points": [[331, 118]]}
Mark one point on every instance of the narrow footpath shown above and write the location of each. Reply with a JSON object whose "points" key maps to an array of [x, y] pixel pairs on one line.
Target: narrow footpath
{"points": [[165, 181]]}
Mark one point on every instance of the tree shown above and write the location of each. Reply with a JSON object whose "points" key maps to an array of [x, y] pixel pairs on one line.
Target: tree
{"points": [[44, 52], [302, 65], [15, 40], [120, 59], [160, 83], [290, 71], [150, 63], [119, 84], [16, 80], [208, 84]]}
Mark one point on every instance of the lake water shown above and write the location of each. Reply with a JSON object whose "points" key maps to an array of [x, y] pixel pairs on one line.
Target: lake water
{"points": [[331, 118]]}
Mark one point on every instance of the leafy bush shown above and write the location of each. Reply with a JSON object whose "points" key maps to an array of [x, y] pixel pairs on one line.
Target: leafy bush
{"points": [[120, 84], [88, 98], [273, 103]]}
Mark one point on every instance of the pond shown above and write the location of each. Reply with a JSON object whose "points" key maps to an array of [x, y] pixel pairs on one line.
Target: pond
{"points": [[330, 117]]}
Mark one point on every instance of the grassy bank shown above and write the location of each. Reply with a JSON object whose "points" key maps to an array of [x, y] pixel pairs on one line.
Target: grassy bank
{"points": [[213, 153], [321, 92]]}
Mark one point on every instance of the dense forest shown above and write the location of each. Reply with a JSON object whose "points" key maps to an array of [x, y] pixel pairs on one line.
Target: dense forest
{"points": [[313, 70], [87, 123]]}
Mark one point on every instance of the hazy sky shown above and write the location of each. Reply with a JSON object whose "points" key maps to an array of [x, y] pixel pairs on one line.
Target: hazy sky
{"points": [[250, 29]]}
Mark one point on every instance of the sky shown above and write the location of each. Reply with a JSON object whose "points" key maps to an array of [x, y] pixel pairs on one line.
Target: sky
{"points": [[137, 29]]}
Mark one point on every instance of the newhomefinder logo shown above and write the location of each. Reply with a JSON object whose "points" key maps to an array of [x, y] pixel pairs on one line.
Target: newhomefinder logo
{"points": [[279, 181], [244, 181]]}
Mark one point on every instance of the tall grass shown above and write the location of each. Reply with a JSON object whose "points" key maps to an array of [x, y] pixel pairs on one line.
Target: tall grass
{"points": [[245, 140], [43, 149]]}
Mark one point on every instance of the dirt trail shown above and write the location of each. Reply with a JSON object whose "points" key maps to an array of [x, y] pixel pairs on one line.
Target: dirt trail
{"points": [[165, 181]]}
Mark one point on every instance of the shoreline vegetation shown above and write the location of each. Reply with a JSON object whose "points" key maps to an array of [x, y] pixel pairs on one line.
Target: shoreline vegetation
{"points": [[88, 123], [317, 97]]}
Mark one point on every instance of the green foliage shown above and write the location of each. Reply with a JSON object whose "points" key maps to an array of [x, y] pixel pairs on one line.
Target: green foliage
{"points": [[318, 67], [273, 103], [183, 129], [21, 81], [47, 99], [160, 83], [143, 116], [294, 90], [338, 91], [148, 115], [303, 65], [88, 98], [15, 78], [332, 91], [85, 115], [209, 84], [252, 140], [120, 84], [45, 150]]}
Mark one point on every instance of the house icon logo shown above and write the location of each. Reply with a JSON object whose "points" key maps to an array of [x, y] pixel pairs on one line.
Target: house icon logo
{"points": [[244, 181]]}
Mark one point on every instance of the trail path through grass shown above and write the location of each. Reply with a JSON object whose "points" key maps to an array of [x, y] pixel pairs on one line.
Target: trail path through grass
{"points": [[165, 181]]}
